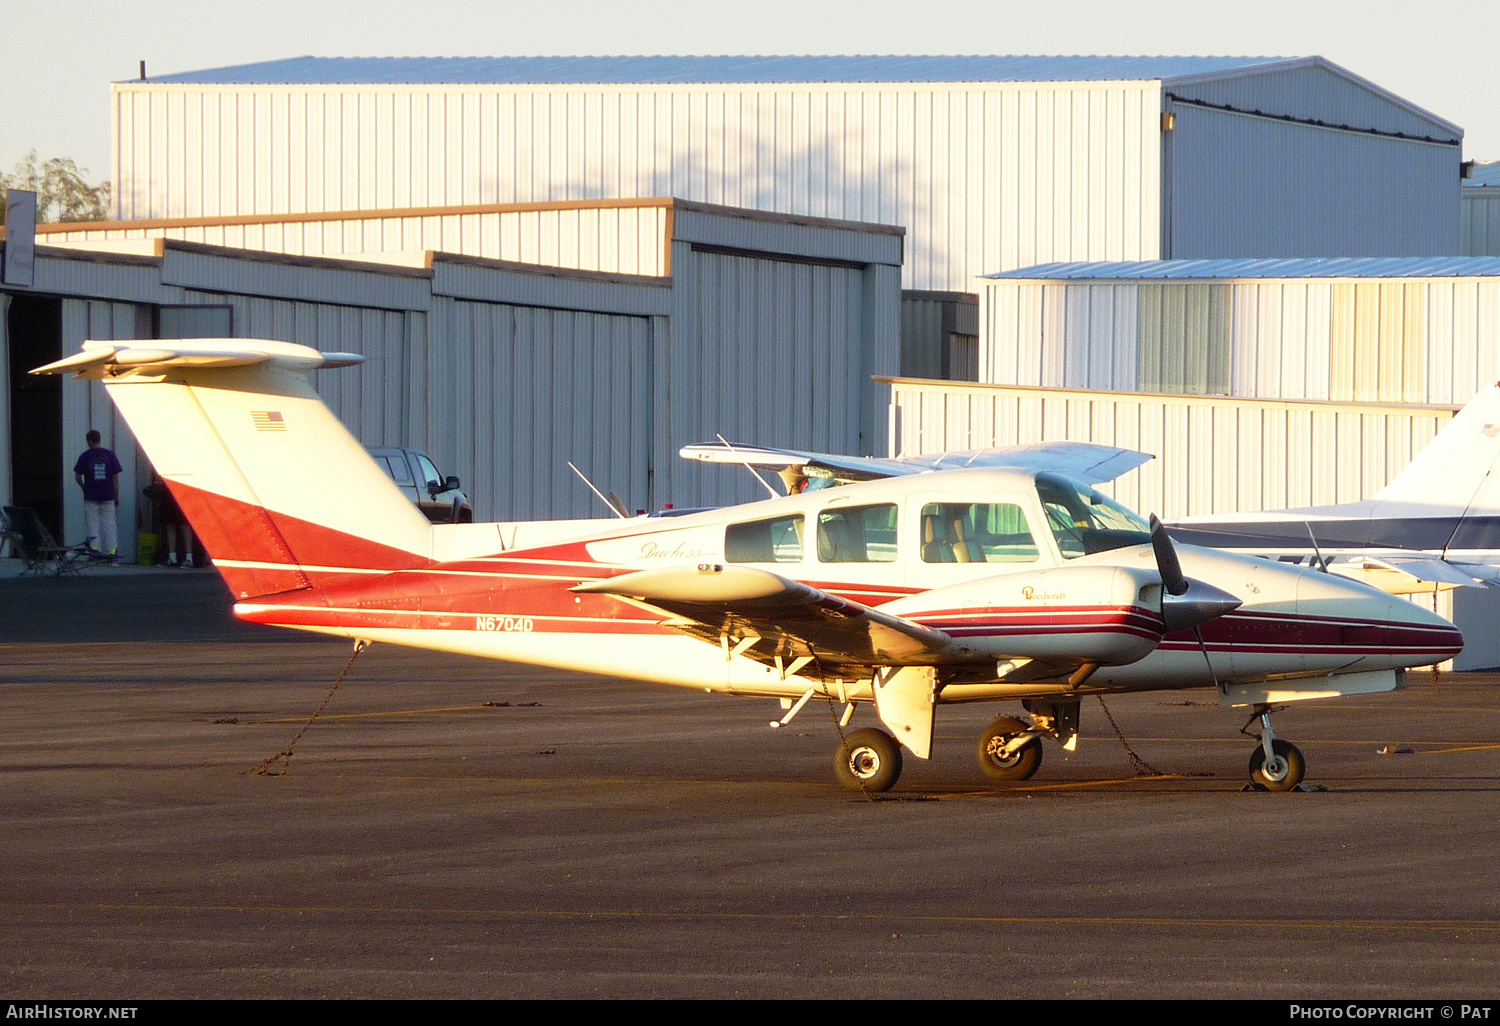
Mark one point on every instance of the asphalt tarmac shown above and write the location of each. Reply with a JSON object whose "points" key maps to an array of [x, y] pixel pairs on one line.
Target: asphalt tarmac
{"points": [[458, 828]]}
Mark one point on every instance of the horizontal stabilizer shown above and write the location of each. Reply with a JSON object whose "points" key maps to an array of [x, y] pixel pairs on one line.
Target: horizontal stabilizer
{"points": [[99, 360]]}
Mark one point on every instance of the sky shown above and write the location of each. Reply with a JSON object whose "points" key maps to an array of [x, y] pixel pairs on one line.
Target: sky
{"points": [[62, 54]]}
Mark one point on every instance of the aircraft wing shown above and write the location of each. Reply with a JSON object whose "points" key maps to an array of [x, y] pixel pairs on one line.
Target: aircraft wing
{"points": [[1429, 570], [766, 616], [1085, 461]]}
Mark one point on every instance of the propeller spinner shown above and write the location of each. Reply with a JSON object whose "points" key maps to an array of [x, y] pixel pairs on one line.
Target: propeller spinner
{"points": [[1185, 604]]}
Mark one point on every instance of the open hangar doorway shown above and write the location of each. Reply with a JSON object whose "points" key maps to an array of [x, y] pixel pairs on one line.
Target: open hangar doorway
{"points": [[33, 450]]}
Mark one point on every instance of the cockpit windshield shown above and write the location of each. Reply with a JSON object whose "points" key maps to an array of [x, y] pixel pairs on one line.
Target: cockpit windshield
{"points": [[1085, 521]]}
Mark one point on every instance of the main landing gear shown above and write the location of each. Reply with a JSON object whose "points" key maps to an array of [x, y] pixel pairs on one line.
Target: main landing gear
{"points": [[868, 760], [1010, 749], [1275, 765]]}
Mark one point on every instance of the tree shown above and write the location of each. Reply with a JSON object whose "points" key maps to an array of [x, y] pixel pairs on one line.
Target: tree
{"points": [[62, 193]]}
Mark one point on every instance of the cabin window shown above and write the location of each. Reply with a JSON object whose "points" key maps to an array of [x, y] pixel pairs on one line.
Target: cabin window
{"points": [[976, 532], [765, 541], [857, 534], [1086, 521]]}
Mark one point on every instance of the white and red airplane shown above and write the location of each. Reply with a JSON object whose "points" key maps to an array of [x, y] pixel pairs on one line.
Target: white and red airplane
{"points": [[1007, 582]]}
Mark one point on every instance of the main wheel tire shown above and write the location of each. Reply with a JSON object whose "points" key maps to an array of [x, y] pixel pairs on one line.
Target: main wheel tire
{"points": [[1283, 773], [868, 760], [1020, 765]]}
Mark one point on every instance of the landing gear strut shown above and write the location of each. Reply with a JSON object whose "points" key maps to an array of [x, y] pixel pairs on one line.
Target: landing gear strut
{"points": [[1275, 765]]}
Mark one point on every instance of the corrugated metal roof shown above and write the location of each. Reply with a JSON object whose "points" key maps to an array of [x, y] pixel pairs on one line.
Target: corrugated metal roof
{"points": [[675, 70], [1298, 267], [1484, 174]]}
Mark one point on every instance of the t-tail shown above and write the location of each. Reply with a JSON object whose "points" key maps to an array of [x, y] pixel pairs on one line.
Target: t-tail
{"points": [[281, 494]]}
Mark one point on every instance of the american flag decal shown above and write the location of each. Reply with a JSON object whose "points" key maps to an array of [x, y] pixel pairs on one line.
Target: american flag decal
{"points": [[268, 420]]}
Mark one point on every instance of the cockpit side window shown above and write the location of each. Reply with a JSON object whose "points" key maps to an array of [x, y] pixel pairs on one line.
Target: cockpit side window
{"points": [[857, 534], [1085, 521], [976, 532], [778, 540]]}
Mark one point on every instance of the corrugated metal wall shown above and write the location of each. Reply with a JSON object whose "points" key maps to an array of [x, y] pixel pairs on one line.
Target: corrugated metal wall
{"points": [[519, 392], [767, 352], [1369, 340], [1314, 92], [985, 176], [768, 332], [1248, 186], [940, 335], [1480, 229], [1213, 455], [620, 238]]}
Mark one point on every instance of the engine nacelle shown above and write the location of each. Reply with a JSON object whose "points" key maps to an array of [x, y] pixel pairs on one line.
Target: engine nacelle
{"points": [[1108, 615]]}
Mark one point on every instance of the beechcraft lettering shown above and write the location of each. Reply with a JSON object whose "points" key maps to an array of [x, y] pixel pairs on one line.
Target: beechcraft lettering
{"points": [[999, 576]]}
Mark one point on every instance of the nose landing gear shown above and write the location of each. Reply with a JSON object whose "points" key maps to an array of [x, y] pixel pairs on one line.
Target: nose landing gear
{"points": [[1275, 765]]}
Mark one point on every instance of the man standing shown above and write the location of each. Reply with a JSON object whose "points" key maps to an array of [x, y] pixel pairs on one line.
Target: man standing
{"points": [[98, 474]]}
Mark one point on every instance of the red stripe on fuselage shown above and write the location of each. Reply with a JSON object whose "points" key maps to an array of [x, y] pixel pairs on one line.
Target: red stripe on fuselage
{"points": [[240, 531]]}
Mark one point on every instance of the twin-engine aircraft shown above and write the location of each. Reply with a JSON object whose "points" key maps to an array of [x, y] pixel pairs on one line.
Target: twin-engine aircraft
{"points": [[1009, 581]]}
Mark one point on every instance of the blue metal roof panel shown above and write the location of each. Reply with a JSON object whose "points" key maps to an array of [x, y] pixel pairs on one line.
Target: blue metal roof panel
{"points": [[1484, 174], [1292, 267], [715, 69]]}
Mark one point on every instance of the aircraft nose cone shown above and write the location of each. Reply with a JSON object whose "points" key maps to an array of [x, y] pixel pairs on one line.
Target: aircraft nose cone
{"points": [[1384, 630], [1196, 606]]}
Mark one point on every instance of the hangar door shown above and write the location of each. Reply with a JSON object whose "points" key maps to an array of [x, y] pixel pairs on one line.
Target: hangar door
{"points": [[537, 388], [773, 356]]}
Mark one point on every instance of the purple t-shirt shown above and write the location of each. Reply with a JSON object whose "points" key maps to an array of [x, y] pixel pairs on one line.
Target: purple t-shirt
{"points": [[98, 467]]}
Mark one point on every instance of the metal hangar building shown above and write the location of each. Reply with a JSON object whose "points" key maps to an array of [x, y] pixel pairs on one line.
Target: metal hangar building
{"points": [[990, 163]]}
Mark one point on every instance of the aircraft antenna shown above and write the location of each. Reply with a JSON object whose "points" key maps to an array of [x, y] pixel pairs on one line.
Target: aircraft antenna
{"points": [[616, 510], [901, 454], [1322, 562], [748, 466]]}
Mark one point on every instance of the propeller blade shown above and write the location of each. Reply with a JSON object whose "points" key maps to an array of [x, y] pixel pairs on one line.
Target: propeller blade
{"points": [[1166, 559]]}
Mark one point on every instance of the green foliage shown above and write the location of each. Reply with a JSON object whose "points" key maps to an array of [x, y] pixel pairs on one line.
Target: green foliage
{"points": [[62, 194]]}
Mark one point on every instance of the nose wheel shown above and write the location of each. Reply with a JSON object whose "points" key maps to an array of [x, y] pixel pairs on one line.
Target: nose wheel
{"points": [[1275, 765]]}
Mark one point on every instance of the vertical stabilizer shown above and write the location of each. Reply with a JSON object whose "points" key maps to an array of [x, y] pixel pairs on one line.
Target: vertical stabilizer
{"points": [[1457, 472], [282, 495]]}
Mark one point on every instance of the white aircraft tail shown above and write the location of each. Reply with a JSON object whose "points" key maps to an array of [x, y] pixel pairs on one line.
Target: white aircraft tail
{"points": [[1458, 472], [281, 494]]}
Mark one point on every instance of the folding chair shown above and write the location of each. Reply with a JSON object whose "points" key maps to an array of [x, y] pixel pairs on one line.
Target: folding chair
{"points": [[30, 539]]}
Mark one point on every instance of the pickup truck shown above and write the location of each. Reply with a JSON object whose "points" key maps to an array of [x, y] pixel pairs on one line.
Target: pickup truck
{"points": [[440, 498]]}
